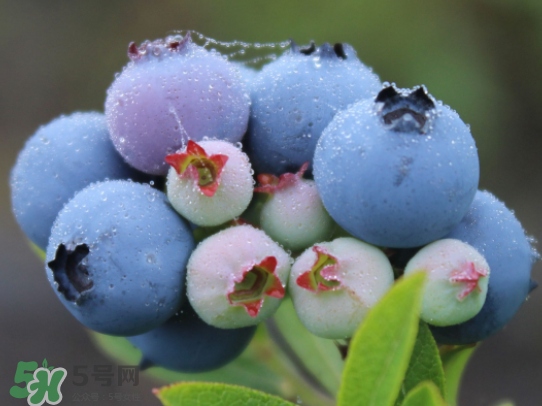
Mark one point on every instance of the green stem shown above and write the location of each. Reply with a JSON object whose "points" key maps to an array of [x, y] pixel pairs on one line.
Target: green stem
{"points": [[287, 364]]}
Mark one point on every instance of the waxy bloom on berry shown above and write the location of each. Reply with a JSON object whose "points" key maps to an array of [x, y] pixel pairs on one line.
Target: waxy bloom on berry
{"points": [[293, 214], [237, 277], [457, 281], [334, 284], [209, 182]]}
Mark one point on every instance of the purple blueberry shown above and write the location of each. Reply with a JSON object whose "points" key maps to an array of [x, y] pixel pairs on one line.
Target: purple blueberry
{"points": [[117, 256], [295, 97], [173, 90], [494, 231], [60, 159], [185, 343], [397, 171]]}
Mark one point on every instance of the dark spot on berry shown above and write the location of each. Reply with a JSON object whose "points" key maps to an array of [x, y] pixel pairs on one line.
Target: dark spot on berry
{"points": [[403, 170], [339, 50], [69, 271]]}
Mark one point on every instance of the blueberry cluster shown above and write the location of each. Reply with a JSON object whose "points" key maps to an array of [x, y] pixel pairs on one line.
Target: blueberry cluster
{"points": [[208, 191]]}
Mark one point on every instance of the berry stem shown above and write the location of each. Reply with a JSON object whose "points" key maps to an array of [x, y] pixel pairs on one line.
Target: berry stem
{"points": [[323, 396]]}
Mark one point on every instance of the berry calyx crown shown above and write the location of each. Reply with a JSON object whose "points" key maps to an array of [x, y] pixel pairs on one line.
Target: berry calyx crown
{"points": [[470, 275], [159, 47], [256, 282], [404, 110], [271, 183], [323, 275], [203, 168]]}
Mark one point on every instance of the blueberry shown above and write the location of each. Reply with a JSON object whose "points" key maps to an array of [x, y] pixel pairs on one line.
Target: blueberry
{"points": [[295, 97], [210, 182], [494, 231], [60, 159], [172, 91], [248, 73], [457, 280], [397, 171], [237, 277], [187, 344], [293, 215], [116, 257], [334, 284]]}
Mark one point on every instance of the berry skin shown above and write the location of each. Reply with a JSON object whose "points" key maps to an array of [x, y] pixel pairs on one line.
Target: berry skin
{"points": [[295, 97], [293, 214], [187, 344], [60, 159], [173, 90], [398, 171], [334, 284], [116, 258], [210, 182], [457, 279], [248, 74], [495, 232], [237, 277]]}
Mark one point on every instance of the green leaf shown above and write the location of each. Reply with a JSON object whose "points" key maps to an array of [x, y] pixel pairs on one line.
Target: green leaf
{"points": [[44, 363], [425, 394], [425, 364], [215, 394], [381, 348], [454, 361], [320, 356]]}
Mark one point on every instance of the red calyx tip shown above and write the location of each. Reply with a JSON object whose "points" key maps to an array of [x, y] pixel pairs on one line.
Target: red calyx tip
{"points": [[271, 183], [468, 274], [256, 282], [323, 275], [204, 169]]}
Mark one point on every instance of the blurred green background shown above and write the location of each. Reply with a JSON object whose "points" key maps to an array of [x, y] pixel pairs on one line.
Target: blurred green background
{"points": [[482, 57]]}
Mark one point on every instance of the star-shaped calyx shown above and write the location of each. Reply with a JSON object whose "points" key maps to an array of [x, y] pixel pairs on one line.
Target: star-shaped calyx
{"points": [[271, 183], [405, 110], [203, 168], [323, 275], [69, 272], [469, 274], [256, 282]]}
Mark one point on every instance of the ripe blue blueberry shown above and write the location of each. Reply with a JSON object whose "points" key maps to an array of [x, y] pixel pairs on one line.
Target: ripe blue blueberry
{"points": [[295, 97], [173, 90], [494, 231], [397, 171], [116, 257], [60, 159], [185, 343]]}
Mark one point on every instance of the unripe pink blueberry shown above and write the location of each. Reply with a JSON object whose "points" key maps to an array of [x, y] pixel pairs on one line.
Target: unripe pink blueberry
{"points": [[173, 90], [237, 277], [334, 284], [458, 277], [209, 183], [294, 215]]}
